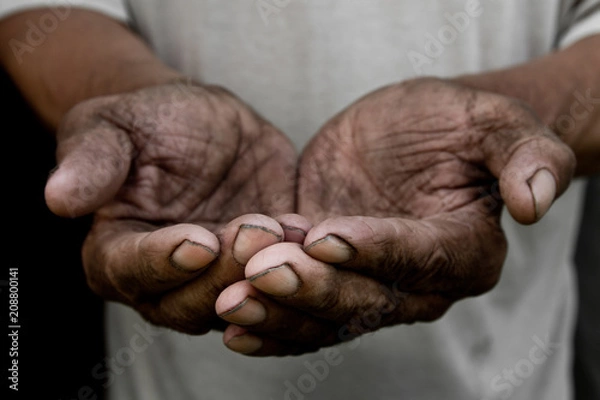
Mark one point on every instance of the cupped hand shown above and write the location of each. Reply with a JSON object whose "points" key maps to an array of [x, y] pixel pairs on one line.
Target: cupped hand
{"points": [[181, 179], [405, 188]]}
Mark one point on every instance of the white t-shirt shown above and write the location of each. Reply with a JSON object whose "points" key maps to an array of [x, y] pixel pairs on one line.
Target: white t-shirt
{"points": [[298, 63]]}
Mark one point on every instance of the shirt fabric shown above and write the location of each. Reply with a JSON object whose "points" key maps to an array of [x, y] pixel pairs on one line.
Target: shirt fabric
{"points": [[298, 63]]}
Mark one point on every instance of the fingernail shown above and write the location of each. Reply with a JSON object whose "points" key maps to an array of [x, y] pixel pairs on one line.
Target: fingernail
{"points": [[245, 344], [192, 257], [331, 249], [293, 234], [250, 239], [278, 281], [543, 189], [248, 312]]}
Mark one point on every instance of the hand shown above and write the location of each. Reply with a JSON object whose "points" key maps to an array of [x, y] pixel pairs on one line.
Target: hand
{"points": [[406, 188], [165, 170]]}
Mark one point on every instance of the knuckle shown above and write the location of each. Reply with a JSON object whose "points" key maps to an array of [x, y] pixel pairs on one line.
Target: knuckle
{"points": [[100, 277], [124, 286], [439, 264], [485, 281], [330, 300], [413, 309], [435, 310], [372, 312], [392, 260], [485, 268], [96, 283], [183, 318]]}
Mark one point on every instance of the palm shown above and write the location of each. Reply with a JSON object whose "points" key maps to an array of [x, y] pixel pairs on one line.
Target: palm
{"points": [[203, 158], [396, 153], [414, 151]]}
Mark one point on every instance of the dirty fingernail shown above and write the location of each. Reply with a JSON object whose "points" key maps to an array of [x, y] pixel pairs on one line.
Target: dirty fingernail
{"points": [[251, 239], [293, 234], [543, 189], [245, 344], [191, 256], [278, 281], [248, 312], [331, 249]]}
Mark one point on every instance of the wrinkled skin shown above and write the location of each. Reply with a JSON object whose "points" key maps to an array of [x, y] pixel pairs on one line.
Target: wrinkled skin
{"points": [[192, 191], [407, 177], [168, 170]]}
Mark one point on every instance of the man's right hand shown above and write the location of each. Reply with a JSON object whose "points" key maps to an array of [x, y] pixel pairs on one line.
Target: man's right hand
{"points": [[180, 178]]}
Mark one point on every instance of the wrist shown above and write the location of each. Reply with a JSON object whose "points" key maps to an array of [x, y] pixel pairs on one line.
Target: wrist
{"points": [[125, 76], [562, 89], [88, 55]]}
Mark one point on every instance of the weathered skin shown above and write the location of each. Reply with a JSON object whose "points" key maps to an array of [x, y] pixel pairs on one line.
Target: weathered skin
{"points": [[185, 158], [407, 178]]}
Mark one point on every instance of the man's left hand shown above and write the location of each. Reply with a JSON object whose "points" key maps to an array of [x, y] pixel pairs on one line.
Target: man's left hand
{"points": [[405, 188]]}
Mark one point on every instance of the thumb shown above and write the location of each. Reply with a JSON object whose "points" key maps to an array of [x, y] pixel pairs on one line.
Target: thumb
{"points": [[93, 163], [534, 168]]}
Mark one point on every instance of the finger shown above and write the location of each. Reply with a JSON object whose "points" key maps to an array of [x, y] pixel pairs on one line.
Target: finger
{"points": [[191, 308], [458, 255], [294, 226], [249, 234], [93, 163], [240, 340], [129, 261], [244, 305], [291, 277], [534, 166]]}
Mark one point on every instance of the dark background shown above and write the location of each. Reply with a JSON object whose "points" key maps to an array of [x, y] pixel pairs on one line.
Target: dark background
{"points": [[61, 336], [587, 335]]}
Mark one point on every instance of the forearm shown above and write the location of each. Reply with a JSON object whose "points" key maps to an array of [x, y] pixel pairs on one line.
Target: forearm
{"points": [[88, 55], [563, 88]]}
